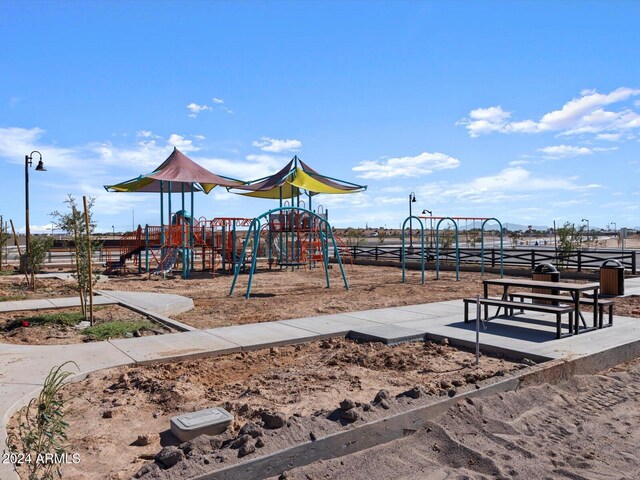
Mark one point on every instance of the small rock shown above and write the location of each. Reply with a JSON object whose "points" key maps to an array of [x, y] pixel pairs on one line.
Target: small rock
{"points": [[107, 414], [120, 402], [366, 407], [273, 420], [312, 436], [142, 440], [415, 392], [457, 383], [347, 404], [128, 335], [241, 441], [444, 341], [252, 429], [444, 384], [169, 456], [349, 416], [297, 348], [528, 362], [381, 395], [137, 333], [469, 401], [385, 404], [274, 351], [259, 442], [283, 476], [325, 344], [499, 373], [246, 449], [152, 469], [451, 392]]}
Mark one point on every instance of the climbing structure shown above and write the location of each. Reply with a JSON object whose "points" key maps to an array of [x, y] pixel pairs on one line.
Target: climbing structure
{"points": [[295, 221]]}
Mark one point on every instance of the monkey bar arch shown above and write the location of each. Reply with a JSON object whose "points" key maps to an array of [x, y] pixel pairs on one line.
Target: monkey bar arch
{"points": [[501, 246], [253, 234], [421, 246]]}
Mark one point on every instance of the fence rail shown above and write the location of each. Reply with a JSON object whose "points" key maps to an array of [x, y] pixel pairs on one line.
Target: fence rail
{"points": [[579, 259]]}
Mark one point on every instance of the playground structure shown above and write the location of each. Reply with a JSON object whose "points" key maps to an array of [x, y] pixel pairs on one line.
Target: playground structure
{"points": [[300, 236], [290, 239], [215, 244], [293, 239], [455, 221]]}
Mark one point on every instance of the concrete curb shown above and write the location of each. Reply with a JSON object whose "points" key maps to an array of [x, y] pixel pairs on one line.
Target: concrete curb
{"points": [[397, 426]]}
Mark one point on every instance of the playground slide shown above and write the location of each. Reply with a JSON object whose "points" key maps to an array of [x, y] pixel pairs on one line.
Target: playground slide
{"points": [[168, 261]]}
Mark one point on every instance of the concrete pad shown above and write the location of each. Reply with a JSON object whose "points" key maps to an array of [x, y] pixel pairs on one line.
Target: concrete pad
{"points": [[174, 345], [31, 364], [267, 334], [387, 334], [12, 306], [388, 315], [75, 301], [163, 303], [435, 309], [329, 324]]}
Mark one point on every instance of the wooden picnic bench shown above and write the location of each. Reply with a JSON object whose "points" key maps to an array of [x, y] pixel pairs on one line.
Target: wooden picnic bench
{"points": [[510, 305], [574, 289], [602, 303]]}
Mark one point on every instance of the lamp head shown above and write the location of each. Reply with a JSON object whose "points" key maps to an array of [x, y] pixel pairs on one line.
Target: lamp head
{"points": [[413, 197], [40, 167]]}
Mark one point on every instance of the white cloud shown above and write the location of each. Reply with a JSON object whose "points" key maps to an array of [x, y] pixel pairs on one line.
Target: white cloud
{"points": [[275, 145], [182, 143], [610, 137], [422, 164], [584, 114], [228, 110], [510, 184], [218, 100], [195, 109], [556, 152], [515, 163], [564, 151]]}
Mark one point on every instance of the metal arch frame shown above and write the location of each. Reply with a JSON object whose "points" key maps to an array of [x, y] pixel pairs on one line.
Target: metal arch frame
{"points": [[455, 224], [482, 246], [255, 228], [408, 219]]}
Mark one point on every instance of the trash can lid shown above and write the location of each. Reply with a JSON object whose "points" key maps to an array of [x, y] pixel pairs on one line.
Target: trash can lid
{"points": [[545, 268], [614, 263]]}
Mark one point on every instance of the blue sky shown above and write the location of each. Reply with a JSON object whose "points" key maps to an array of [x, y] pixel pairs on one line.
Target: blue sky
{"points": [[524, 111]]}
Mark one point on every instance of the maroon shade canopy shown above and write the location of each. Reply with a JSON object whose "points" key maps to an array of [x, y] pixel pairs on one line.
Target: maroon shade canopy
{"points": [[179, 168], [179, 173]]}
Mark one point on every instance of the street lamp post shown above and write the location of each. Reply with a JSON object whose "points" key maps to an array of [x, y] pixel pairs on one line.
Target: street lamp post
{"points": [[412, 199], [28, 162], [588, 229], [430, 226]]}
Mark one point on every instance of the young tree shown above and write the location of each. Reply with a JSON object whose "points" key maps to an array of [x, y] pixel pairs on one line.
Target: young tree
{"points": [[570, 239], [73, 222], [4, 238], [39, 246]]}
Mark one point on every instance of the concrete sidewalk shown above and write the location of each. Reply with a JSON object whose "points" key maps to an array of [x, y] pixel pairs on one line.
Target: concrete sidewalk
{"points": [[23, 367]]}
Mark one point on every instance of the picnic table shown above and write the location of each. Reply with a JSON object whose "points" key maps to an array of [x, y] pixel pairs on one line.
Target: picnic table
{"points": [[576, 290]]}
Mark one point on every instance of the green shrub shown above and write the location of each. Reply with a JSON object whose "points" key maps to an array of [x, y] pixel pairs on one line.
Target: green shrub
{"points": [[102, 331]]}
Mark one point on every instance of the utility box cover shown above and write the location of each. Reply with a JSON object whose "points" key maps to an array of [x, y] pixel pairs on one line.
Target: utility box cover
{"points": [[211, 421]]}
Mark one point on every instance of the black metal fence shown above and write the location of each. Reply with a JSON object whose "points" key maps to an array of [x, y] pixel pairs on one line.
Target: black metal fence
{"points": [[524, 258]]}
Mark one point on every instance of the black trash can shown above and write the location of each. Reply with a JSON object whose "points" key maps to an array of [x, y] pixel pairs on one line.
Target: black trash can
{"points": [[546, 272], [611, 277]]}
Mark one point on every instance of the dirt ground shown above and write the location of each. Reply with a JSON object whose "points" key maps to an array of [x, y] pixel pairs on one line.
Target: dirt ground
{"points": [[585, 428], [280, 295], [110, 409]]}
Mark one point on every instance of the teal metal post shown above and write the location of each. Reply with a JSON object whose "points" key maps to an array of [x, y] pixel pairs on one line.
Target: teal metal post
{"points": [[455, 224], [501, 246], [183, 239], [421, 246]]}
